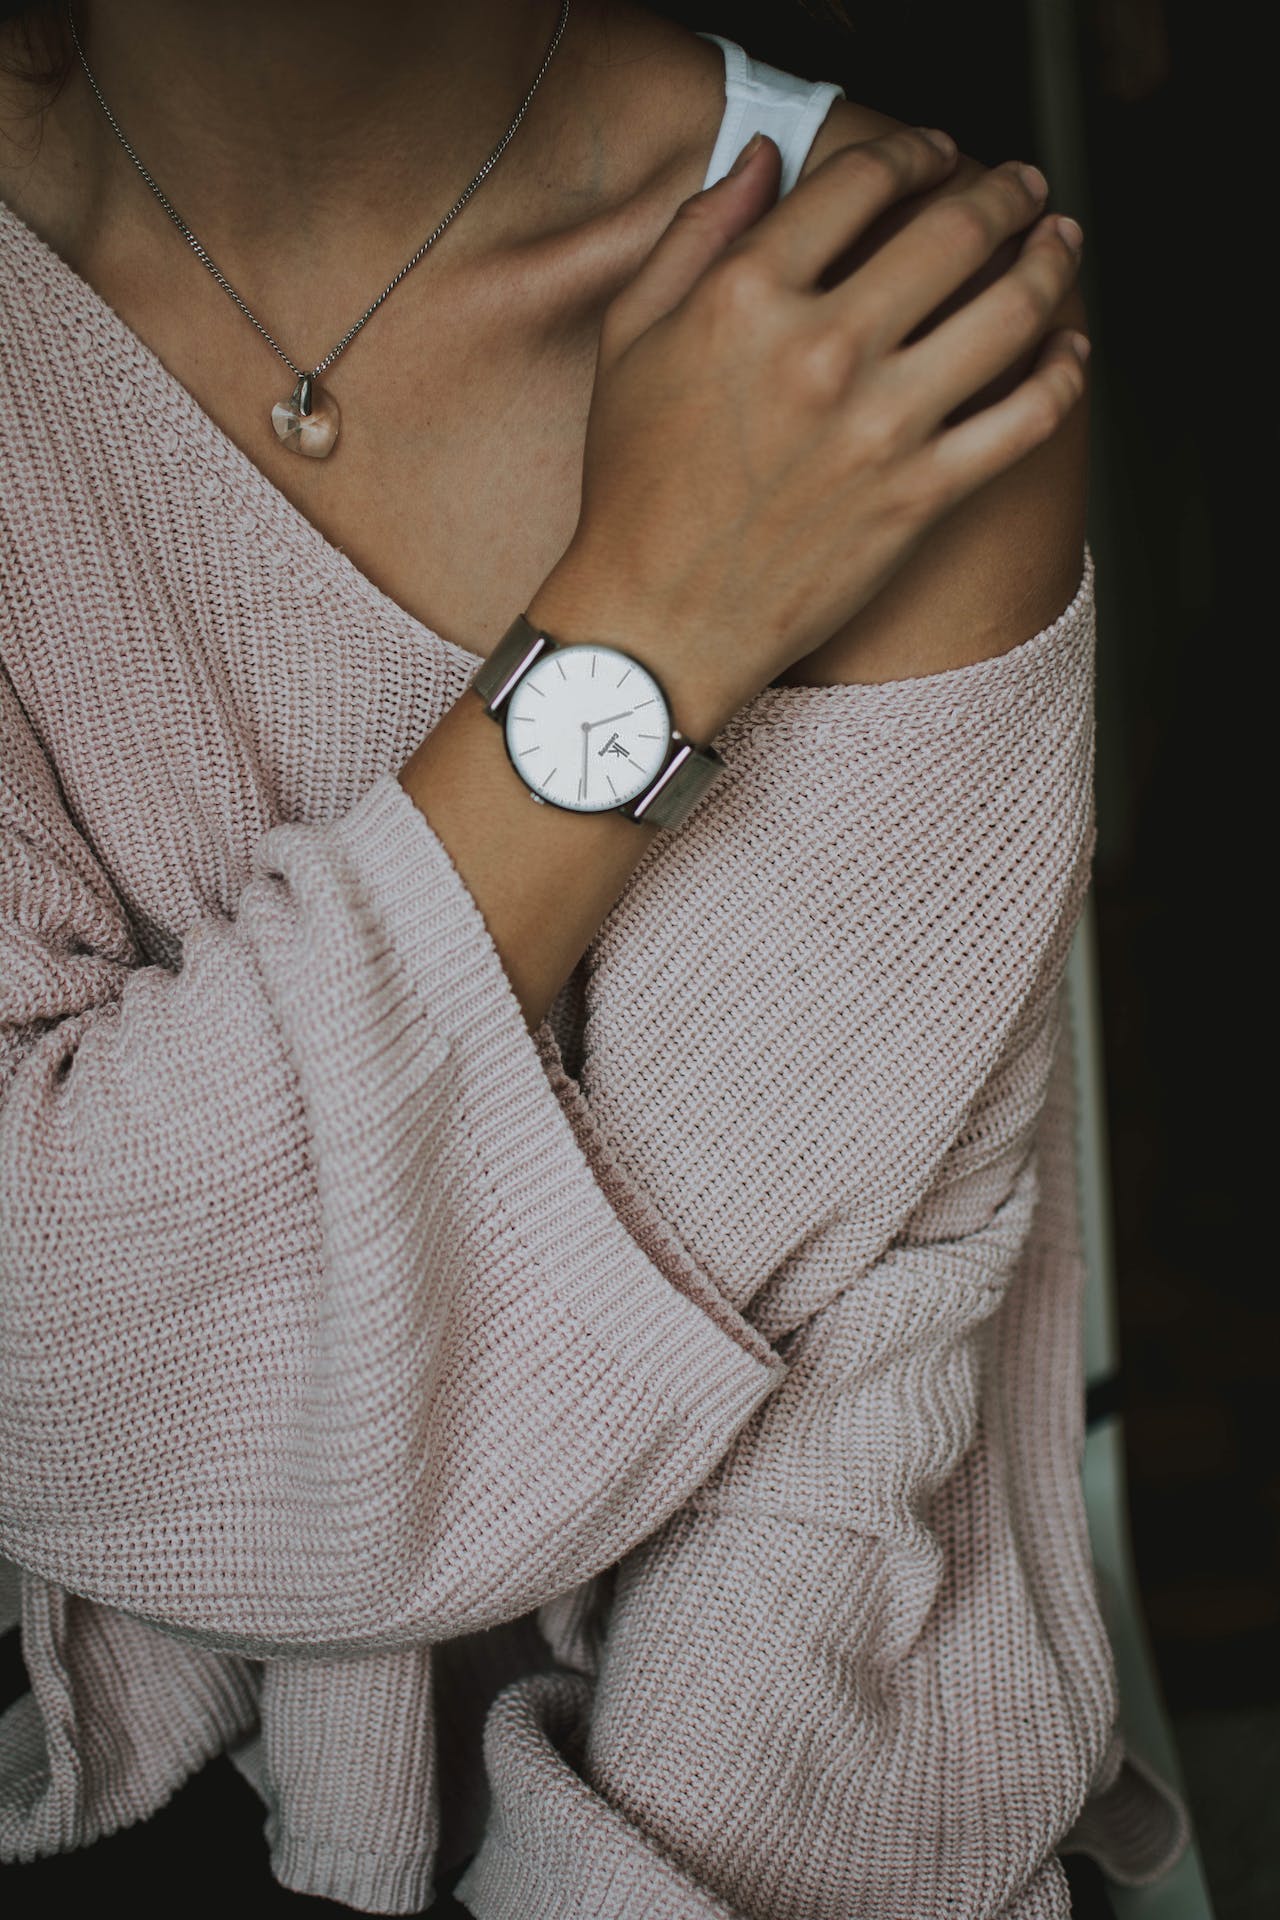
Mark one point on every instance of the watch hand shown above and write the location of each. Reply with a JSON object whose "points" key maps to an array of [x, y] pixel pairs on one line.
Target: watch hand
{"points": [[586, 749], [608, 717]]}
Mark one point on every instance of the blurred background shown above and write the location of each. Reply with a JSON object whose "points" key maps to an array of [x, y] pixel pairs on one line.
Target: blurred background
{"points": [[1113, 99]]}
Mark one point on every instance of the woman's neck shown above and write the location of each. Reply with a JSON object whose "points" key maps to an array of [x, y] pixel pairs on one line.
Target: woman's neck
{"points": [[317, 103], [280, 129]]}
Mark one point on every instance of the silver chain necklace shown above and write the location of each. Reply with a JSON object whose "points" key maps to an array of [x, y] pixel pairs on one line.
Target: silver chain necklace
{"points": [[307, 422]]}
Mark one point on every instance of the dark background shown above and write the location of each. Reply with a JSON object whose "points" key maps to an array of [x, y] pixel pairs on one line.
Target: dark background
{"points": [[1151, 177]]}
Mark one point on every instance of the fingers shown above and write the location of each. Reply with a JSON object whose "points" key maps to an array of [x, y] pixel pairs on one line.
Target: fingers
{"points": [[956, 462], [935, 253], [992, 331], [703, 227], [828, 209]]}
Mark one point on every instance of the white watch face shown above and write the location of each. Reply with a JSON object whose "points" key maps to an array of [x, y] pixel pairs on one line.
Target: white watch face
{"points": [[587, 728]]}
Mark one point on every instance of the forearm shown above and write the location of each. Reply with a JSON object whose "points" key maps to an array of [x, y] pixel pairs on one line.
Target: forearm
{"points": [[545, 878]]}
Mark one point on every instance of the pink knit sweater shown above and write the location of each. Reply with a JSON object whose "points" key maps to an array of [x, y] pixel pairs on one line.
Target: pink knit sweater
{"points": [[700, 1377]]}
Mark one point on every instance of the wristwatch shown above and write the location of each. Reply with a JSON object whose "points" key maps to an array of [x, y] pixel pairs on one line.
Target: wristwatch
{"points": [[589, 728]]}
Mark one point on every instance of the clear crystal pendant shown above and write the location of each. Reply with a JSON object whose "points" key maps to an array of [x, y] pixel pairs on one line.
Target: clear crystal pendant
{"points": [[307, 422]]}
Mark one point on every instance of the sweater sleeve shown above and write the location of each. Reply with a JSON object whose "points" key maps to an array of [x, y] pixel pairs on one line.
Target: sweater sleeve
{"points": [[837, 1681], [317, 1328], [889, 877]]}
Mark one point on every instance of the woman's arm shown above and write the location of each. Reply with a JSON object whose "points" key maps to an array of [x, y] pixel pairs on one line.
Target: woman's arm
{"points": [[788, 1715], [762, 453], [312, 1304]]}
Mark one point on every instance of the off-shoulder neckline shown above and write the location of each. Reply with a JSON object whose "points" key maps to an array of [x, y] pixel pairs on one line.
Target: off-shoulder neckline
{"points": [[235, 482]]}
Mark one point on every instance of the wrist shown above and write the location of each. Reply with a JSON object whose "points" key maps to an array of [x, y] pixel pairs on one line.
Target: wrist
{"points": [[573, 606]]}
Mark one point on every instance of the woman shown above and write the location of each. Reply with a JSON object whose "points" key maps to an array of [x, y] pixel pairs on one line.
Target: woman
{"points": [[614, 1255]]}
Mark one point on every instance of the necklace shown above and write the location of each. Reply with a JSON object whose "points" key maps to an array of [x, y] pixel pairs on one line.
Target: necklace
{"points": [[307, 422]]}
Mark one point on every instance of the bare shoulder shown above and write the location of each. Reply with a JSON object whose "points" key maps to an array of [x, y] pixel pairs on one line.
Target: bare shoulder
{"points": [[1002, 565]]}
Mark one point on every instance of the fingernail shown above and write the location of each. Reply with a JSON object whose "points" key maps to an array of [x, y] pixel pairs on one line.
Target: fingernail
{"points": [[746, 153], [937, 138], [1033, 180], [1081, 346], [1071, 231]]}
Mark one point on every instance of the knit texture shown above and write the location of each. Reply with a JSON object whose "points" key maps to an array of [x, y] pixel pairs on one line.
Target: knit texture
{"points": [[689, 1392]]}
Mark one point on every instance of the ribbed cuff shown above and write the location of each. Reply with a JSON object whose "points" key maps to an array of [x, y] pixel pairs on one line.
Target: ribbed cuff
{"points": [[1137, 1828], [553, 1849], [369, 1882], [632, 1283]]}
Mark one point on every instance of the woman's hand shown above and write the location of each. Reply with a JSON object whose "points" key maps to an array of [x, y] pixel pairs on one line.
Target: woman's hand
{"points": [[763, 451]]}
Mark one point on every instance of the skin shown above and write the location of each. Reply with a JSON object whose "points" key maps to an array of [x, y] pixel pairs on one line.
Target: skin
{"points": [[310, 177]]}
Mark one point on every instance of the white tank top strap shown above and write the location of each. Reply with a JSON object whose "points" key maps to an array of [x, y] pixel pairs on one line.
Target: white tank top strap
{"points": [[763, 99]]}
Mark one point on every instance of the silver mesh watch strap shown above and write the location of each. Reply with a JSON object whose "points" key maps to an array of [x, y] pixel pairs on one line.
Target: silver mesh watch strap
{"points": [[684, 777], [678, 788], [518, 648]]}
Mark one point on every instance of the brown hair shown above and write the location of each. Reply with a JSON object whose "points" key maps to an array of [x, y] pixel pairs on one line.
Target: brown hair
{"points": [[42, 50]]}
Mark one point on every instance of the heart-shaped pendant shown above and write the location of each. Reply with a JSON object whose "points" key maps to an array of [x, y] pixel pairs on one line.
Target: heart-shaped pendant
{"points": [[307, 422]]}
